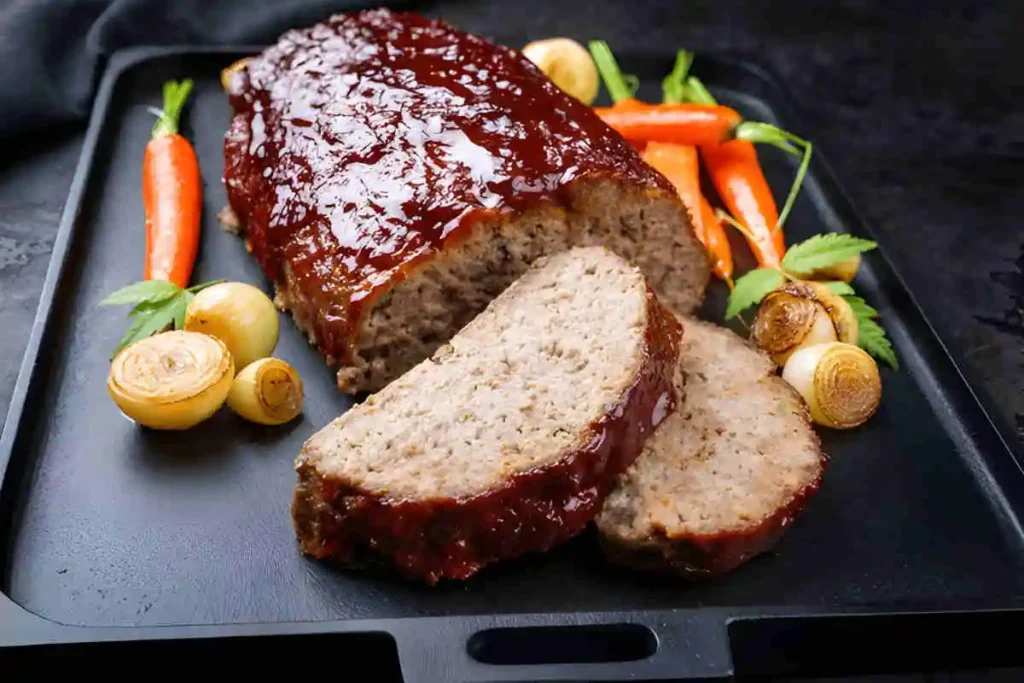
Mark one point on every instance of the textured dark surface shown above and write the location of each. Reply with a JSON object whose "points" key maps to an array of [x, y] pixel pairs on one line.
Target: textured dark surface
{"points": [[920, 105], [915, 104], [119, 526]]}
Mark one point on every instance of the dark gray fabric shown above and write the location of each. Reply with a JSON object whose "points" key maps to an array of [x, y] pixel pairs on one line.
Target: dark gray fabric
{"points": [[52, 51]]}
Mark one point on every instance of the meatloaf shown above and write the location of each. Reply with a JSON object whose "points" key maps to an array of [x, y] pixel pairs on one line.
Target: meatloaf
{"points": [[507, 439], [393, 174], [722, 477]]}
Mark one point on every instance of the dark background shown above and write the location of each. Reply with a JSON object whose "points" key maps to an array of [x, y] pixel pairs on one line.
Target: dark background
{"points": [[919, 107]]}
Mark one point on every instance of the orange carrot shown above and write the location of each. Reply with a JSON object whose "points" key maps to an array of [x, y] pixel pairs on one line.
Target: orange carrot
{"points": [[716, 241], [171, 194], [736, 172], [741, 184], [678, 163], [683, 124]]}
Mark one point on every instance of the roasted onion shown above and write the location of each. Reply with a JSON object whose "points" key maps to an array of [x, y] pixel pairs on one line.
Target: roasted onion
{"points": [[839, 382], [240, 315], [173, 380], [268, 391], [229, 72], [844, 270], [568, 65], [802, 314]]}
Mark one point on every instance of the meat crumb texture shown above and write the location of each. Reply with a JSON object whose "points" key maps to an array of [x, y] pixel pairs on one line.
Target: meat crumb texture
{"points": [[723, 477], [507, 438]]}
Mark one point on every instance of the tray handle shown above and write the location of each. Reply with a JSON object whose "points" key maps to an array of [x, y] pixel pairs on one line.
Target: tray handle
{"points": [[565, 647]]}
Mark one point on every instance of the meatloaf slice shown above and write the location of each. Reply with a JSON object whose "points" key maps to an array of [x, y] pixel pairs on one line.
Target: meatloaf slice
{"points": [[505, 440], [393, 175], [723, 476]]}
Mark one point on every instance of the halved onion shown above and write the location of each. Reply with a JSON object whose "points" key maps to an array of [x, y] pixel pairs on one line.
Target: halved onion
{"points": [[802, 314], [568, 65], [240, 315], [268, 391], [839, 382], [173, 380]]}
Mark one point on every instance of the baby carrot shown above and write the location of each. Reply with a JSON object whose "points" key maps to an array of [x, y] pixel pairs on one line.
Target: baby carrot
{"points": [[678, 163], [171, 194], [741, 184]]}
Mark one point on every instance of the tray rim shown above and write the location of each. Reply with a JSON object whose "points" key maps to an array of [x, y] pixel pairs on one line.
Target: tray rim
{"points": [[20, 627]]}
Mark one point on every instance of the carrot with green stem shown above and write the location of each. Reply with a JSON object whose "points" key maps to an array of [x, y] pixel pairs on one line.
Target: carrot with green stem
{"points": [[736, 171], [171, 193], [678, 163]]}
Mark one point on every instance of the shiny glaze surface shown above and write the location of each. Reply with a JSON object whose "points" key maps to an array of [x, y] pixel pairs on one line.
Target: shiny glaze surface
{"points": [[361, 145], [532, 510]]}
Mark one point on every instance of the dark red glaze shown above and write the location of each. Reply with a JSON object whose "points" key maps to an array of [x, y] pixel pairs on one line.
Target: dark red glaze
{"points": [[533, 510], [364, 144], [699, 556]]}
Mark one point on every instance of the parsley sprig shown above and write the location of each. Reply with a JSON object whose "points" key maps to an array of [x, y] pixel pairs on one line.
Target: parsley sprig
{"points": [[157, 305], [817, 252]]}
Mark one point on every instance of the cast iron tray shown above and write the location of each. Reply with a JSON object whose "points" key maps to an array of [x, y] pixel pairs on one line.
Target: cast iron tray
{"points": [[165, 544]]}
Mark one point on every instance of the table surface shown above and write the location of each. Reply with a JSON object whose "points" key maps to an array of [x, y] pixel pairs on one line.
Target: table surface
{"points": [[917, 105]]}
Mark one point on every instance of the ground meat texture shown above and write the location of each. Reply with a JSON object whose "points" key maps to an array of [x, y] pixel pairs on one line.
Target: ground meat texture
{"points": [[392, 175], [723, 477], [507, 439]]}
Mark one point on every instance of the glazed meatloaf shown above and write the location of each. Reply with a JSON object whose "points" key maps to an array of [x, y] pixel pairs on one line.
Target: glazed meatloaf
{"points": [[723, 477], [393, 175], [507, 439]]}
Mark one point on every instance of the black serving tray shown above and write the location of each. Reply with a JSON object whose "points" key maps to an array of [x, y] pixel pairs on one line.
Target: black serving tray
{"points": [[119, 540]]}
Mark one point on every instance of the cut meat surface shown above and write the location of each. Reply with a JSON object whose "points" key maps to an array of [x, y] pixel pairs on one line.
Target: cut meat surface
{"points": [[723, 477], [507, 439], [392, 175]]}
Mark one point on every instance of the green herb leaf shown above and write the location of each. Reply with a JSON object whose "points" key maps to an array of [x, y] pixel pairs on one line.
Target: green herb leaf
{"points": [[839, 287], [824, 250], [146, 291], [871, 335], [179, 313], [203, 285], [861, 309], [149, 318], [751, 288], [873, 340]]}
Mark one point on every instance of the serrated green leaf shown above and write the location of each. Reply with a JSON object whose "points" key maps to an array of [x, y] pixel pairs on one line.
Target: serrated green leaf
{"points": [[140, 292], [873, 340], [751, 288], [861, 309], [839, 287], [150, 318], [821, 251]]}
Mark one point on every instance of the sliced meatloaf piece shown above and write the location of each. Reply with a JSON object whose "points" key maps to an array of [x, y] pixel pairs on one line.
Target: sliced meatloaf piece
{"points": [[723, 476], [505, 440], [393, 175]]}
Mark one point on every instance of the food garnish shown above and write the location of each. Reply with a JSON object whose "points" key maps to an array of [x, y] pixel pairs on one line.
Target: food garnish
{"points": [[736, 172], [229, 72], [691, 116], [818, 252], [567, 64], [839, 382], [171, 193], [173, 380], [678, 163], [267, 391], [158, 305], [801, 314], [844, 271], [620, 86], [238, 314]]}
